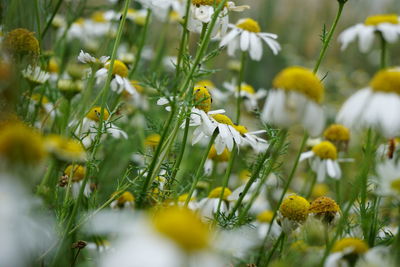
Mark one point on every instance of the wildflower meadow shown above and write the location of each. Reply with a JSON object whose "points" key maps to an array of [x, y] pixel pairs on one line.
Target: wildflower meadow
{"points": [[200, 133]]}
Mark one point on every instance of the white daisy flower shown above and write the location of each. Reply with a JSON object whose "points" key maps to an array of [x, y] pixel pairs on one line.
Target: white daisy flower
{"points": [[76, 173], [215, 161], [208, 206], [387, 25], [323, 160], [296, 99], [86, 58], [388, 180], [376, 106], [247, 92], [35, 75], [163, 8], [263, 223], [345, 250], [87, 129], [125, 200], [201, 12], [247, 36]]}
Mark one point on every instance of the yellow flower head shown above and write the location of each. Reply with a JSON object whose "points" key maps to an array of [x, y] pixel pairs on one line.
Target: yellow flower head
{"points": [[337, 133], [64, 148], [323, 205], [95, 112], [294, 208], [319, 190], [139, 88], [126, 197], [202, 98], [119, 68], [221, 118], [359, 246], [241, 129], [300, 80], [387, 81], [205, 83], [183, 197], [216, 193], [22, 42], [53, 66], [244, 87], [98, 16], [183, 227], [265, 216], [249, 25], [385, 18], [21, 144], [76, 172], [152, 140], [244, 175], [224, 157], [325, 150]]}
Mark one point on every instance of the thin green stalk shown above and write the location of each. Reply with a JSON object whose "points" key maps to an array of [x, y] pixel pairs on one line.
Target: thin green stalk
{"points": [[312, 184], [37, 11], [182, 150], [239, 85], [225, 181], [161, 46], [46, 28], [274, 248], [184, 38], [329, 37], [200, 168], [383, 51], [141, 44]]}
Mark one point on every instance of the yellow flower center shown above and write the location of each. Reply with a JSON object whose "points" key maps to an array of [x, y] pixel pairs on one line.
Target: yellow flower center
{"points": [[205, 83], [64, 148], [21, 144], [76, 172], [319, 190], [358, 245], [221, 118], [98, 17], [126, 197], [22, 42], [202, 98], [94, 114], [323, 204], [378, 19], [396, 185], [337, 132], [182, 198], [248, 24], [265, 216], [295, 208], [216, 193], [37, 97], [152, 140], [183, 227], [325, 150], [300, 80], [387, 81], [53, 66], [247, 88], [244, 175], [241, 129], [119, 68], [224, 157]]}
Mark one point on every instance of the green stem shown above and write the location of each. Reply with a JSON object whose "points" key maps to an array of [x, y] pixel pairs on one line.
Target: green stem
{"points": [[274, 248], [37, 11], [184, 38], [383, 51], [239, 85], [312, 184], [329, 37], [141, 44], [46, 28], [182, 150], [200, 168]]}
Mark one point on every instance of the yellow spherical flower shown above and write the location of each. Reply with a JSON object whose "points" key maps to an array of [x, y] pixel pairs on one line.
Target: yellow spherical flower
{"points": [[21, 144], [386, 81], [64, 148], [76, 172], [300, 80], [249, 24], [152, 140], [294, 208], [119, 68], [95, 112], [325, 150], [202, 98], [265, 216], [183, 227], [224, 157], [324, 208], [384, 18], [53, 66], [337, 133], [216, 193], [358, 246], [22, 42]]}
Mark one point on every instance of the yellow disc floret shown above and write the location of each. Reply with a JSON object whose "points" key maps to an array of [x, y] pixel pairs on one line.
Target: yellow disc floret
{"points": [[221, 118], [98, 17], [95, 112], [126, 197], [65, 148], [241, 129], [248, 24], [385, 18], [395, 185], [202, 98], [387, 81], [247, 88], [119, 68], [183, 227], [337, 132], [294, 208], [152, 140], [224, 157], [205, 83], [325, 150], [216, 193], [323, 204], [265, 216], [358, 246], [76, 172], [244, 175], [300, 80], [21, 42]]}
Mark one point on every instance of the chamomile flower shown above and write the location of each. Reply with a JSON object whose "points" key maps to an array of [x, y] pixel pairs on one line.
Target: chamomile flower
{"points": [[293, 212], [339, 135], [219, 162], [376, 106], [65, 149], [163, 8], [125, 200], [21, 42], [208, 206], [87, 58], [246, 34], [323, 160], [263, 223], [325, 209], [248, 93], [217, 94], [35, 75], [76, 174], [346, 251], [152, 141], [250, 138], [388, 25], [87, 129], [296, 99], [388, 178]]}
